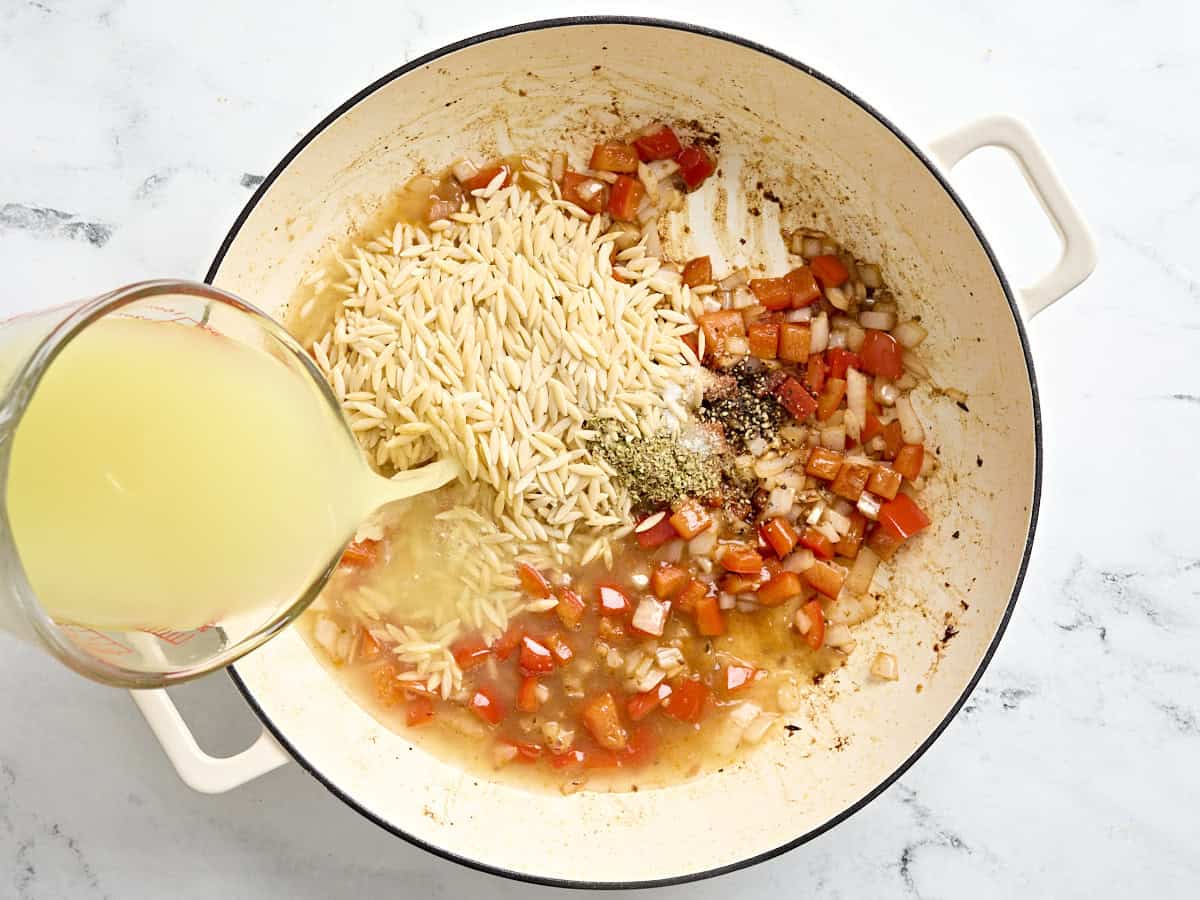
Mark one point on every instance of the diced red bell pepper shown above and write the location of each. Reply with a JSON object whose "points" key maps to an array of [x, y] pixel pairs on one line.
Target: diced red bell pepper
{"points": [[368, 647], [902, 516], [884, 541], [657, 534], [780, 589], [614, 157], [559, 648], [852, 540], [668, 580], [839, 359], [719, 326], [814, 375], [527, 695], [893, 439], [780, 534], [884, 482], [688, 700], [484, 176], [815, 636], [658, 144], [641, 705], [603, 719], [691, 595], [739, 676], [613, 601], [508, 642], [695, 166], [589, 194], [641, 749], [740, 558], [536, 658], [698, 271], [470, 652], [851, 481], [738, 583], [823, 463], [486, 704], [794, 341], [795, 399], [570, 608], [817, 542], [764, 339], [909, 460], [881, 355], [599, 758], [710, 622], [871, 427], [360, 554], [772, 293], [690, 519], [533, 582], [625, 198], [418, 710], [829, 271], [803, 287], [825, 577], [831, 398]]}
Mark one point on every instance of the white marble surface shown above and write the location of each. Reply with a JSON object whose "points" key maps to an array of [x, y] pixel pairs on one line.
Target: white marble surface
{"points": [[132, 132]]}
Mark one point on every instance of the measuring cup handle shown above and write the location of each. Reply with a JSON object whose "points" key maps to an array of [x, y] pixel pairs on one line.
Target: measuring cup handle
{"points": [[199, 771]]}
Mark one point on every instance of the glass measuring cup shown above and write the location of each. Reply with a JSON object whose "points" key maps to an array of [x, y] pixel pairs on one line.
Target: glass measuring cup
{"points": [[166, 652]]}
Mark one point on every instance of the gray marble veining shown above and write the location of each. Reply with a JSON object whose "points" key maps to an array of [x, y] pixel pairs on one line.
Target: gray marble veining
{"points": [[133, 133]]}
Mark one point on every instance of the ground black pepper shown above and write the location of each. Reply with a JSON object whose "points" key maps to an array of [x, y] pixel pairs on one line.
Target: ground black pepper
{"points": [[742, 402]]}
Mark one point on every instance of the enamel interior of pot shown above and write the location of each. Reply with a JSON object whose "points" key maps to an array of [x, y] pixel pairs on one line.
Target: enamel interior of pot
{"points": [[835, 167]]}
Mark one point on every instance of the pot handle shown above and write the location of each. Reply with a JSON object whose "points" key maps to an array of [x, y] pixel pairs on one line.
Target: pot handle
{"points": [[1078, 257], [199, 771]]}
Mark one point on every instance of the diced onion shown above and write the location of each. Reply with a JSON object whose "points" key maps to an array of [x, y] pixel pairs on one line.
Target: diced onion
{"points": [[743, 299], [858, 582], [856, 399], [837, 339], [779, 503], [737, 346], [735, 279], [465, 169], [663, 168], [869, 504], [811, 247], [650, 616], [703, 543], [880, 321], [885, 392], [757, 446], [672, 551], [726, 600], [803, 622], [910, 425], [884, 667], [837, 297], [819, 339], [828, 530], [814, 514], [799, 315], [910, 334], [773, 465], [503, 754], [838, 637], [840, 523], [870, 275], [648, 180], [799, 561], [833, 438], [855, 337]]}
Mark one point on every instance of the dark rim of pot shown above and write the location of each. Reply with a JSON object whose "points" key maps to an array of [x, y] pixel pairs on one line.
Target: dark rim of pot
{"points": [[1037, 427]]}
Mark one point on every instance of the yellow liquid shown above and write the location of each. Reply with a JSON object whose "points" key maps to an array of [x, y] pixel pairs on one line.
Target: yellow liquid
{"points": [[167, 477]]}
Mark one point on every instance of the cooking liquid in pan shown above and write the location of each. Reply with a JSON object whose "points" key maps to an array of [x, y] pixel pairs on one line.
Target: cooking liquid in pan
{"points": [[166, 477]]}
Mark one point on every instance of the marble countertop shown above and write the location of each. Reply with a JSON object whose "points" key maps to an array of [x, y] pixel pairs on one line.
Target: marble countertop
{"points": [[135, 130]]}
